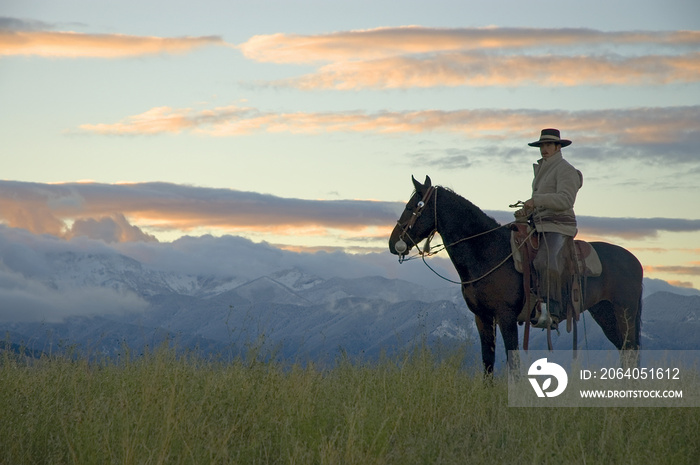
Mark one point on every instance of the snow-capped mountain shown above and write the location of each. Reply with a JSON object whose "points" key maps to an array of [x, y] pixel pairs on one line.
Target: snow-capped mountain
{"points": [[102, 302], [294, 312], [68, 270]]}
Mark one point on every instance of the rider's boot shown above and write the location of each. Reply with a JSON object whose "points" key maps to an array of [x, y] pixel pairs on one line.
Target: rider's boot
{"points": [[547, 315], [541, 318]]}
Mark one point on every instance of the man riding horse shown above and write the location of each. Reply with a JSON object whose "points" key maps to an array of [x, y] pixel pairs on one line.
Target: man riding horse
{"points": [[551, 209]]}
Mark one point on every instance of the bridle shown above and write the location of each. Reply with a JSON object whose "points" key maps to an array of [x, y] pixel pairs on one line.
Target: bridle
{"points": [[401, 244], [427, 249]]}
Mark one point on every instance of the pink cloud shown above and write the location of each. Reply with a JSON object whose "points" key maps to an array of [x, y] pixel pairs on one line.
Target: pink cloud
{"points": [[632, 126], [480, 70], [385, 42], [120, 212], [685, 284], [77, 45], [113, 228], [413, 56], [682, 270], [111, 212], [154, 121]]}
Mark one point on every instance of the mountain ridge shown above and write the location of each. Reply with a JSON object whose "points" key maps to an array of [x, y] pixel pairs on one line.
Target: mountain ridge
{"points": [[289, 312]]}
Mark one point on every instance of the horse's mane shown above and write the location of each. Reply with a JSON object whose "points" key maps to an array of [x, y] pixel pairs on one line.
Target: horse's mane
{"points": [[474, 212]]}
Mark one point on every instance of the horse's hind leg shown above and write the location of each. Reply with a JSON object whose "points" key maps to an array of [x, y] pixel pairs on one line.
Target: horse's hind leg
{"points": [[628, 322], [621, 326], [604, 314]]}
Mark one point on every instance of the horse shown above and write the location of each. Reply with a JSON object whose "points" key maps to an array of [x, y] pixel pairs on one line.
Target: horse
{"points": [[479, 248]]}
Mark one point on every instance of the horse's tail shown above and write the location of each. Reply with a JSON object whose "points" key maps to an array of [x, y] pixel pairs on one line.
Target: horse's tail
{"points": [[638, 318]]}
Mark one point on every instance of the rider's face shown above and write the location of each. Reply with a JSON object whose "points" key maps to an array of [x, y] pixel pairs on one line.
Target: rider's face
{"points": [[548, 149]]}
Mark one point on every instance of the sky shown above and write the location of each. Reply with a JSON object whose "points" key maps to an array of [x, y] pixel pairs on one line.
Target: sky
{"points": [[144, 125]]}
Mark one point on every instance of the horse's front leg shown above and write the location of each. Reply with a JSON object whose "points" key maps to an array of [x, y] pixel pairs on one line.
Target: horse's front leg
{"points": [[487, 333]]}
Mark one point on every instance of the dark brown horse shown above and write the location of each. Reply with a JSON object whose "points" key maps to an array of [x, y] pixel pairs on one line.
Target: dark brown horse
{"points": [[480, 251]]}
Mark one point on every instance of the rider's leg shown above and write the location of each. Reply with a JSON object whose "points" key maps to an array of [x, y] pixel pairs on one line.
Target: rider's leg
{"points": [[549, 265]]}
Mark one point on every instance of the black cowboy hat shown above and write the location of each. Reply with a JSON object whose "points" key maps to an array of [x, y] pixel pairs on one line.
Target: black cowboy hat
{"points": [[550, 135]]}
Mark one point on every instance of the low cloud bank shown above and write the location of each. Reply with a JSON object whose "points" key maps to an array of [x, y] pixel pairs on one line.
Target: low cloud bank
{"points": [[34, 288], [44, 278], [119, 212]]}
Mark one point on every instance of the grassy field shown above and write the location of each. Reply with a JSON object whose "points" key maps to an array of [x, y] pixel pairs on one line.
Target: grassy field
{"points": [[164, 408]]}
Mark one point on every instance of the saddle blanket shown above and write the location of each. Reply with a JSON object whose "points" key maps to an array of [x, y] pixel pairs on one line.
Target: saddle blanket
{"points": [[587, 258]]}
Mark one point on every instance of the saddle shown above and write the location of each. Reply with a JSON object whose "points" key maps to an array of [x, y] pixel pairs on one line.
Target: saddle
{"points": [[525, 243], [584, 263]]}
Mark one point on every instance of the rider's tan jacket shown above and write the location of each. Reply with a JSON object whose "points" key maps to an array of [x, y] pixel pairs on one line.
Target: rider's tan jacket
{"points": [[554, 192]]}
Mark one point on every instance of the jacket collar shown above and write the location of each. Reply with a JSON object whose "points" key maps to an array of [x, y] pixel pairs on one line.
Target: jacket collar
{"points": [[545, 163], [555, 157]]}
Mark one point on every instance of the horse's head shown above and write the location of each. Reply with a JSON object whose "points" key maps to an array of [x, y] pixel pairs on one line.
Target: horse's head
{"points": [[417, 221]]}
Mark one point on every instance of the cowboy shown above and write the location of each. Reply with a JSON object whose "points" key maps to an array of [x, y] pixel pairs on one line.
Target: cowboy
{"points": [[554, 190]]}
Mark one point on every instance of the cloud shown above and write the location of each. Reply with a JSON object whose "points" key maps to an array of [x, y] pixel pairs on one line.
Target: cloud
{"points": [[119, 212], [477, 69], [674, 270], [31, 38], [31, 290], [160, 120], [46, 209], [635, 132], [236, 256], [625, 228], [685, 284], [683, 270], [450, 158], [409, 40], [109, 229], [34, 287], [634, 228], [664, 250], [105, 211], [413, 56], [43, 278], [31, 301], [17, 24]]}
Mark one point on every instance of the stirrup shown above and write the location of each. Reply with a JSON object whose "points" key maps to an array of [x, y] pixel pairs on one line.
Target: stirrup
{"points": [[545, 320]]}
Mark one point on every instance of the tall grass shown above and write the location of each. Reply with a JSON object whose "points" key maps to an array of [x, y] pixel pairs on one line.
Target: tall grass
{"points": [[164, 408]]}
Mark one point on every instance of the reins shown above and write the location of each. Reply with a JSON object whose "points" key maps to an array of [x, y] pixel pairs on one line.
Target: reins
{"points": [[428, 250]]}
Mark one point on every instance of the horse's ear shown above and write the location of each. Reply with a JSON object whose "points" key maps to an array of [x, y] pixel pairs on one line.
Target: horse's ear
{"points": [[420, 187], [416, 184]]}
